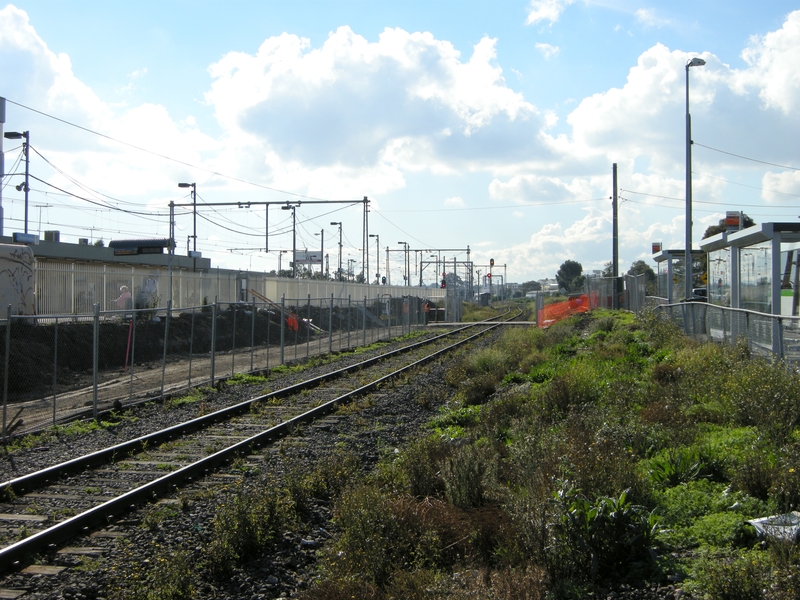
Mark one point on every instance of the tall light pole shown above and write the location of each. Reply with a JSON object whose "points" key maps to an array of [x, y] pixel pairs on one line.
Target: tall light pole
{"points": [[405, 262], [694, 62], [26, 135], [321, 250], [339, 272], [292, 207], [377, 256], [194, 217]]}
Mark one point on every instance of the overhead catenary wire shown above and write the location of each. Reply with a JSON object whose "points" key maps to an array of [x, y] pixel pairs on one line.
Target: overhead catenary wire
{"points": [[763, 162], [165, 157]]}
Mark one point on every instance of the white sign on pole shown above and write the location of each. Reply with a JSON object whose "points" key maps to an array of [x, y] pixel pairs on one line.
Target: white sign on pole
{"points": [[308, 257]]}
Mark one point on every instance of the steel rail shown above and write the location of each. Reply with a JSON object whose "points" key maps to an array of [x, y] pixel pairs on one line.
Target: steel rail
{"points": [[27, 483], [102, 514]]}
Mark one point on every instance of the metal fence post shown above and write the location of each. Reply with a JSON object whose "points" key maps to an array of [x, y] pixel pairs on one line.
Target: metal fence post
{"points": [[283, 324], [297, 326], [55, 368], [191, 346], [364, 324], [308, 326], [213, 339], [133, 356], [5, 370], [348, 321], [166, 340], [389, 318], [330, 326], [233, 308], [95, 357], [252, 334], [269, 322]]}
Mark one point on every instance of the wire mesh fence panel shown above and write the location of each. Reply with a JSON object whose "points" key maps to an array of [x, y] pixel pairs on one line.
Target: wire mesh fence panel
{"points": [[57, 366]]}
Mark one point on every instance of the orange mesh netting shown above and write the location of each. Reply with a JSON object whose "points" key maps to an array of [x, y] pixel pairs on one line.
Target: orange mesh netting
{"points": [[561, 310]]}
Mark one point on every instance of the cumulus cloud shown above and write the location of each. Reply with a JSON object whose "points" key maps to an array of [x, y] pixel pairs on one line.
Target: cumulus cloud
{"points": [[547, 50], [406, 99], [45, 80], [774, 61], [456, 201], [546, 10]]}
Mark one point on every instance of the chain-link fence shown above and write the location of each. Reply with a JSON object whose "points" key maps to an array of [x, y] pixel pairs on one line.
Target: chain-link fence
{"points": [[55, 367], [630, 292]]}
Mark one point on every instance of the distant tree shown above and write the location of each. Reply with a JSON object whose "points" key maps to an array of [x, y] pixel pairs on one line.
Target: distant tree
{"points": [[640, 267], [608, 269], [100, 243], [715, 229], [530, 286], [569, 276]]}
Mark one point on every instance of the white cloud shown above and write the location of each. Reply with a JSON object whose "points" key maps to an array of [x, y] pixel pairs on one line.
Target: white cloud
{"points": [[454, 201], [517, 214], [649, 18], [547, 50], [132, 78], [358, 109], [546, 10], [774, 62], [787, 182]]}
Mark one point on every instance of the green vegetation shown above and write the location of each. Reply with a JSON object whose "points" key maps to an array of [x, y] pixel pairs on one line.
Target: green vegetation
{"points": [[245, 379], [194, 396], [70, 430], [606, 448]]}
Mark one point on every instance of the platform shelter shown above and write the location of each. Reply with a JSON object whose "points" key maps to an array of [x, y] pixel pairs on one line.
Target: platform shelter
{"points": [[755, 269], [671, 274]]}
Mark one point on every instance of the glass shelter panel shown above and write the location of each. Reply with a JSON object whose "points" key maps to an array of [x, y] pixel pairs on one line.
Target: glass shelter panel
{"points": [[756, 277], [663, 281], [789, 258], [719, 277], [678, 279]]}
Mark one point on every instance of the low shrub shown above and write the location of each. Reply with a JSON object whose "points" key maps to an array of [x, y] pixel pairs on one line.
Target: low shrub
{"points": [[416, 470], [606, 536], [245, 525], [734, 578], [469, 474]]}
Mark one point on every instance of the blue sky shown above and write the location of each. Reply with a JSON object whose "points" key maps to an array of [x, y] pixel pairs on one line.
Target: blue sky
{"points": [[489, 125]]}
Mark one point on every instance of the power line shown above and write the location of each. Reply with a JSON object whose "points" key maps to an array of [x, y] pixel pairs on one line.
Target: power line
{"points": [[531, 204], [78, 183], [165, 157], [745, 185], [763, 162], [124, 210]]}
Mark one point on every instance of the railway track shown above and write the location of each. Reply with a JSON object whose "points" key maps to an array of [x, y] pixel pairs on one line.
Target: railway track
{"points": [[52, 505]]}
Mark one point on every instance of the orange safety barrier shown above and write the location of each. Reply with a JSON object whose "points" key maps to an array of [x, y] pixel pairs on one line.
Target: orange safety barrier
{"points": [[552, 313]]}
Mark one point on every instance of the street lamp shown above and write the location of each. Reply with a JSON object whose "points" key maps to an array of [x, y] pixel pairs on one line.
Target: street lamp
{"points": [[194, 218], [339, 272], [405, 262], [377, 256], [26, 135], [694, 62], [321, 251], [294, 239]]}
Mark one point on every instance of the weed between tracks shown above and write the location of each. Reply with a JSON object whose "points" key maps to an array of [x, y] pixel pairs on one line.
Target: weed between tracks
{"points": [[602, 450], [599, 451]]}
